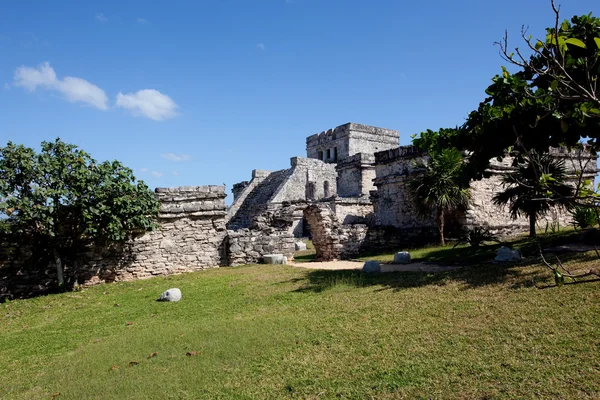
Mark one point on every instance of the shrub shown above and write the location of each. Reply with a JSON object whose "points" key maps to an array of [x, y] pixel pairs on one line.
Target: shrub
{"points": [[584, 217]]}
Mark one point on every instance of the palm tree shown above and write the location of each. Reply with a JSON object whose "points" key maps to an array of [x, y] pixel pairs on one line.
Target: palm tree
{"points": [[440, 187], [537, 185]]}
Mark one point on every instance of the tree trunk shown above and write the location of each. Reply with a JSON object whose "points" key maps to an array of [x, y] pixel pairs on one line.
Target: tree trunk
{"points": [[440, 222], [532, 225], [59, 269]]}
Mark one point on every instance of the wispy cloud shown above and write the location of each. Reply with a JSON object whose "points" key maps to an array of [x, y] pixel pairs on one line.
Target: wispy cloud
{"points": [[143, 170], [101, 17], [174, 173], [142, 21], [157, 174], [149, 103], [175, 157], [73, 89], [261, 46]]}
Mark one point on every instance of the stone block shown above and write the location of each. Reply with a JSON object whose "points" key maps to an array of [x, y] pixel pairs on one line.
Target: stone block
{"points": [[506, 254], [402, 257], [371, 267], [274, 259], [173, 294], [299, 246]]}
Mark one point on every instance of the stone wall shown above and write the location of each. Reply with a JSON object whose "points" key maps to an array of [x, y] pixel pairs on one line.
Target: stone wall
{"points": [[248, 246], [307, 179], [334, 240], [392, 203], [351, 211], [349, 139], [394, 207], [355, 175], [191, 237], [257, 193], [483, 212], [271, 232]]}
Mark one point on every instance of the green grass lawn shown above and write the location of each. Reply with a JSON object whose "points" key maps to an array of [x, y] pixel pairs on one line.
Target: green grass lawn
{"points": [[481, 332], [463, 254]]}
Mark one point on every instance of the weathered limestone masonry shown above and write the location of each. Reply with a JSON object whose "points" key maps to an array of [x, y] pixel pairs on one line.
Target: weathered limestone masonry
{"points": [[336, 240], [307, 179], [340, 165], [349, 139], [331, 239], [352, 210], [191, 237], [393, 206], [482, 211], [355, 175], [391, 201], [255, 193], [270, 233]]}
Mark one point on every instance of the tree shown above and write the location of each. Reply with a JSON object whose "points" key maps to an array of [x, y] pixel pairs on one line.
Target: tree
{"points": [[70, 201], [440, 187], [568, 59], [531, 195], [551, 101]]}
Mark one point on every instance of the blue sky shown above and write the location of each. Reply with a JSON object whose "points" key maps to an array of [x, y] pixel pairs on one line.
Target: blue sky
{"points": [[202, 92]]}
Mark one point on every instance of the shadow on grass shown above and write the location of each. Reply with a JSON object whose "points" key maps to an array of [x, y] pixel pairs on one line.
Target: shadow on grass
{"points": [[472, 276], [477, 269]]}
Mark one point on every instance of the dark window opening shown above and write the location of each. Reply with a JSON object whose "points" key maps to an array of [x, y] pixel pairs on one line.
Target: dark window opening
{"points": [[320, 155], [326, 189], [328, 154], [310, 191], [335, 154]]}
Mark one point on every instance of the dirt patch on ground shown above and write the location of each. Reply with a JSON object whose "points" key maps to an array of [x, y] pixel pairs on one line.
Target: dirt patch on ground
{"points": [[341, 265]]}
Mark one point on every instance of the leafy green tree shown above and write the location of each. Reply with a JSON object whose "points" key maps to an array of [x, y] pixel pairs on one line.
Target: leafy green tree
{"points": [[440, 186], [552, 100], [70, 201], [527, 193]]}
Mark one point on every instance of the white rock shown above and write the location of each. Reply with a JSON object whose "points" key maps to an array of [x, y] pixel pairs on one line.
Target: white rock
{"points": [[371, 266], [274, 259], [506, 254], [173, 294], [300, 246], [402, 257]]}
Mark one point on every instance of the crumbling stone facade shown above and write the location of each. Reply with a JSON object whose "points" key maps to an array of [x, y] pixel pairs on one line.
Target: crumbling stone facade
{"points": [[335, 240], [191, 237], [340, 165], [355, 175], [350, 194], [346, 140], [394, 207], [307, 179]]}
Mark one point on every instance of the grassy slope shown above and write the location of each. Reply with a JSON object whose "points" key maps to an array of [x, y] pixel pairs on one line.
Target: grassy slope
{"points": [[276, 331]]}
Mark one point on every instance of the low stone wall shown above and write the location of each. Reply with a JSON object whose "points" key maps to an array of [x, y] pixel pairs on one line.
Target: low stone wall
{"points": [[248, 246], [334, 240], [393, 205], [191, 237], [351, 211]]}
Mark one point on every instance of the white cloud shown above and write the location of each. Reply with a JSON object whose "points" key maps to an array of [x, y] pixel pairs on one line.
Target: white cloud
{"points": [[75, 90], [142, 21], [143, 170], [157, 174], [174, 173], [261, 46], [100, 17], [149, 103], [175, 157]]}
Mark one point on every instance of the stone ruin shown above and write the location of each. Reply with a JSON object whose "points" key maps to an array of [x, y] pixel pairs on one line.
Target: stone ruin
{"points": [[349, 195]]}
